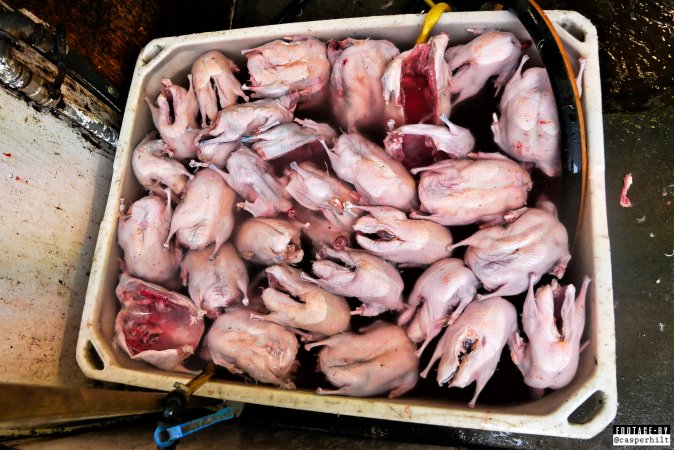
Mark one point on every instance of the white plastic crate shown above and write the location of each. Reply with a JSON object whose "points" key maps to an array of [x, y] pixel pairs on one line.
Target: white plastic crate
{"points": [[172, 57]]}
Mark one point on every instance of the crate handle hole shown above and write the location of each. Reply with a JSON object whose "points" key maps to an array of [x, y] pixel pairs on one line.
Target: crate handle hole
{"points": [[588, 409], [573, 29], [93, 358], [150, 54]]}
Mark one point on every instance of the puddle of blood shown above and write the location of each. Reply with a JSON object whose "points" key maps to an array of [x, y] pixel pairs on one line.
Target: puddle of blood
{"points": [[9, 155]]}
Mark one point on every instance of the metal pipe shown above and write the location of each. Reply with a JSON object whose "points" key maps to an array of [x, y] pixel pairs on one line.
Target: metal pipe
{"points": [[15, 26], [92, 124], [18, 76]]}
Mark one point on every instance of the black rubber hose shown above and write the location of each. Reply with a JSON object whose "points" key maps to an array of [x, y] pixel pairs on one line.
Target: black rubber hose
{"points": [[571, 120]]}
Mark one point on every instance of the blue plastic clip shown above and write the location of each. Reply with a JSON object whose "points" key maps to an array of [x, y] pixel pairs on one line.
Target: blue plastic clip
{"points": [[166, 436]]}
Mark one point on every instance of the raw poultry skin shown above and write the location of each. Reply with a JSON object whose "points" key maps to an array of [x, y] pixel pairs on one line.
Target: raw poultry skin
{"points": [[232, 124], [300, 305], [550, 358], [206, 213], [372, 280], [289, 137], [378, 178], [215, 283], [479, 189], [296, 64], [388, 233], [141, 234], [503, 257], [302, 141], [528, 129], [446, 286], [355, 82], [379, 360], [370, 85], [155, 325], [215, 84], [175, 117], [260, 349], [418, 144], [155, 171], [470, 349], [320, 231], [267, 241], [251, 177], [257, 285], [494, 53], [317, 190], [416, 84]]}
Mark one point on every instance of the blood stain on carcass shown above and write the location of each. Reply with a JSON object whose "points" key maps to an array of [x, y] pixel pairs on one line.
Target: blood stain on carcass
{"points": [[418, 97]]}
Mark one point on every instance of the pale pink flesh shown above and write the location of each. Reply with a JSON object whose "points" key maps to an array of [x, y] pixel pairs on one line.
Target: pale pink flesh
{"points": [[252, 178], [142, 233], [215, 282], [244, 345], [372, 280], [627, 182], [388, 233], [269, 241], [317, 190], [176, 119], [215, 84], [223, 136], [461, 192], [380, 360], [490, 54], [504, 257], [418, 144], [471, 347], [298, 304], [297, 64], [528, 129], [553, 322], [156, 171], [205, 216], [355, 82], [378, 178], [156, 325], [289, 137], [323, 232], [448, 286]]}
